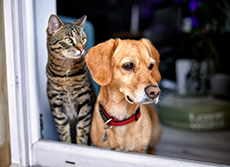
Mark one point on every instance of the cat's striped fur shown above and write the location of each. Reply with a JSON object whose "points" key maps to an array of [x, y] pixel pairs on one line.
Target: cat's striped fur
{"points": [[69, 88]]}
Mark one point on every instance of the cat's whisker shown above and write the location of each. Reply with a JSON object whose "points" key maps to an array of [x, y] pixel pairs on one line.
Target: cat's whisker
{"points": [[68, 62], [57, 58], [71, 62], [63, 61]]}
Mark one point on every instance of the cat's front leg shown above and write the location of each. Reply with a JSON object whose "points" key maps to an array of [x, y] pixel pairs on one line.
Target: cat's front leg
{"points": [[62, 123], [83, 125]]}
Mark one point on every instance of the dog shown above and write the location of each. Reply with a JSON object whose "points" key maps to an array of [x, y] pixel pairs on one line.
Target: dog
{"points": [[127, 71]]}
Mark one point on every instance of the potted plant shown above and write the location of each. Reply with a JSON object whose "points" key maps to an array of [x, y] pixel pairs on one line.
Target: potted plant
{"points": [[211, 26], [200, 111]]}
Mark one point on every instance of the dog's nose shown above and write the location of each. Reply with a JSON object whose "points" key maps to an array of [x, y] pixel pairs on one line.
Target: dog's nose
{"points": [[152, 91]]}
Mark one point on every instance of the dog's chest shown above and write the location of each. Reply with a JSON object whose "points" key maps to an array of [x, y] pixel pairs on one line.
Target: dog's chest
{"points": [[124, 138]]}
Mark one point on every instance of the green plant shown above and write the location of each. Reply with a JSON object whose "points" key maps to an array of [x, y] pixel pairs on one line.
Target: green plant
{"points": [[213, 18]]}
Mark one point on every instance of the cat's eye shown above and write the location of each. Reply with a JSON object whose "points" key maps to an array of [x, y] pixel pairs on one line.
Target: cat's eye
{"points": [[128, 66], [83, 40], [69, 40]]}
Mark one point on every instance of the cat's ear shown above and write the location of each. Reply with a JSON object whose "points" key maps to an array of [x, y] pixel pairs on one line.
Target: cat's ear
{"points": [[54, 24], [99, 61], [80, 21]]}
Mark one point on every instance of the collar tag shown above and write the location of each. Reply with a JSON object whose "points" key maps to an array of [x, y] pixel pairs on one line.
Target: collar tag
{"points": [[106, 129]]}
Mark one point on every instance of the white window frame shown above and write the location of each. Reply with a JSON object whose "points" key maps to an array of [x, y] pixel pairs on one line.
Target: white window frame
{"points": [[20, 20]]}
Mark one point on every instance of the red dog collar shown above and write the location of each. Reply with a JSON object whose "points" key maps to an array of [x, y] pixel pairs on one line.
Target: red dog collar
{"points": [[116, 122]]}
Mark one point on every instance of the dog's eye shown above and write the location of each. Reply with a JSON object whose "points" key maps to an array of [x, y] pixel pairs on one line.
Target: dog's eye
{"points": [[128, 66], [151, 66]]}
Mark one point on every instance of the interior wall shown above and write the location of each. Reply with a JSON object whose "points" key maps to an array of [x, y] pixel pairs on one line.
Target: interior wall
{"points": [[4, 118]]}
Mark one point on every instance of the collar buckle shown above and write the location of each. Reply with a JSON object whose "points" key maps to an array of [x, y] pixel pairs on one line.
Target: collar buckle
{"points": [[107, 125]]}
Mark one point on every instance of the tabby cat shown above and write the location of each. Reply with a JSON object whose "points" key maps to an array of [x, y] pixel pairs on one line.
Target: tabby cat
{"points": [[69, 88]]}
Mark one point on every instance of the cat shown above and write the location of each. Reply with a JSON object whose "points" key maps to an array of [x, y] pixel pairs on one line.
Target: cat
{"points": [[69, 88]]}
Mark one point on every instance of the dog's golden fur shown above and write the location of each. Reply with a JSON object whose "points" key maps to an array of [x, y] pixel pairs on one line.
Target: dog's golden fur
{"points": [[106, 63]]}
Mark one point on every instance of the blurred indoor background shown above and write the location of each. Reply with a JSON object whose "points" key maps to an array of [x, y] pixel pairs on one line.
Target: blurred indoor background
{"points": [[177, 28]]}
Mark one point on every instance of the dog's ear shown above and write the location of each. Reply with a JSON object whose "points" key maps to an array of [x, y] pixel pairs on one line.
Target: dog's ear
{"points": [[156, 56], [99, 61]]}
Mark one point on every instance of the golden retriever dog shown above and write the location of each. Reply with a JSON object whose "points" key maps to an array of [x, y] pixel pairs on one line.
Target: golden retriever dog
{"points": [[127, 71]]}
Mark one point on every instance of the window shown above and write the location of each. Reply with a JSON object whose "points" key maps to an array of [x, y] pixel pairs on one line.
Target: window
{"points": [[25, 45]]}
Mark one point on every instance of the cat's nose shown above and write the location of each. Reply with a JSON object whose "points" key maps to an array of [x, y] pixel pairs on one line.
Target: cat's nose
{"points": [[81, 50]]}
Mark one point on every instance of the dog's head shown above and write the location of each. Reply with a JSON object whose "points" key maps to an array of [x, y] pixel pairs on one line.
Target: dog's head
{"points": [[130, 66]]}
